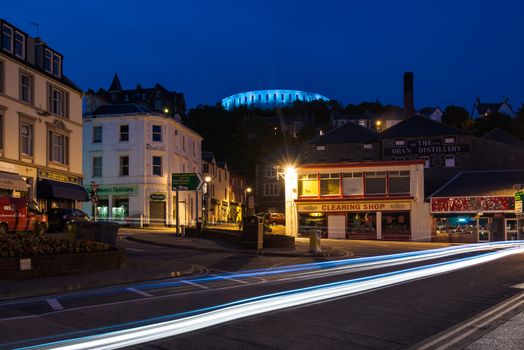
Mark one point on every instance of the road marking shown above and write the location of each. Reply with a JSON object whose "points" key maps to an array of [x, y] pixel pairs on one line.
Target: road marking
{"points": [[136, 250], [141, 292], [194, 284], [230, 278], [55, 304], [459, 332], [518, 286]]}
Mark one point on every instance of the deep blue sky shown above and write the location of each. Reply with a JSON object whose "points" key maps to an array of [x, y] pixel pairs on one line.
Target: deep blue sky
{"points": [[351, 51]]}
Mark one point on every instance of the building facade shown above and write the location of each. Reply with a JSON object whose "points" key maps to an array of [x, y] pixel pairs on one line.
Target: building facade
{"points": [[362, 200], [40, 123], [131, 153]]}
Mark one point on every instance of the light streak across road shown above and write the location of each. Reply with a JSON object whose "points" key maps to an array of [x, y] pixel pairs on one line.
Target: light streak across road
{"points": [[267, 303]]}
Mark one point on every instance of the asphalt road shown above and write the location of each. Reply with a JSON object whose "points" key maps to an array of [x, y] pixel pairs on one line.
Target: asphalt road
{"points": [[391, 318]]}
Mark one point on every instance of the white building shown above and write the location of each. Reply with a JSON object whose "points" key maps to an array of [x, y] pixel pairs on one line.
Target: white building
{"points": [[131, 153], [361, 200], [40, 123]]}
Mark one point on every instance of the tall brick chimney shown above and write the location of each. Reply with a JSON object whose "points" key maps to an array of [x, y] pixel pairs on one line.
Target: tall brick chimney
{"points": [[409, 103]]}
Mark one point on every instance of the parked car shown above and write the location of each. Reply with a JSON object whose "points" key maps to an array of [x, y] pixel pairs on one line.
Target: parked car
{"points": [[18, 214], [62, 219], [277, 219]]}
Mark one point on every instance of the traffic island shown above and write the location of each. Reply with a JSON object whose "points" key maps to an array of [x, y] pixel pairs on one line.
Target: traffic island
{"points": [[25, 256]]}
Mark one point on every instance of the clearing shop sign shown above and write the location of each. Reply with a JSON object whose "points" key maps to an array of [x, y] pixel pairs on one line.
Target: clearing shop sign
{"points": [[351, 207], [425, 147]]}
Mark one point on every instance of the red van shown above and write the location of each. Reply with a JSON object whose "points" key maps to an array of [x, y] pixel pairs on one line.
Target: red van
{"points": [[18, 214]]}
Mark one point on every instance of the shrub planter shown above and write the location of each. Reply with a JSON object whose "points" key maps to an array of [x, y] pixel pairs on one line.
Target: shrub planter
{"points": [[61, 264]]}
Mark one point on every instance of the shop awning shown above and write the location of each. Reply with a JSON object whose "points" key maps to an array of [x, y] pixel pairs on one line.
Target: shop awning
{"points": [[11, 181], [63, 190]]}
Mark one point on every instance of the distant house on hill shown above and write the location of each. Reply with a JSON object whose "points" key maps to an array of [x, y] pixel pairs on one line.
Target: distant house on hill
{"points": [[433, 113], [483, 109]]}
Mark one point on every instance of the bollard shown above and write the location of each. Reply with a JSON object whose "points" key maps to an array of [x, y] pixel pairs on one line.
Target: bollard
{"points": [[141, 220], [314, 241]]}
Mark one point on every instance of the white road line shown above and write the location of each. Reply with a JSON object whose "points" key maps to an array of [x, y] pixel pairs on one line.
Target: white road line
{"points": [[55, 304], [141, 292], [136, 250], [194, 284], [518, 286], [230, 278]]}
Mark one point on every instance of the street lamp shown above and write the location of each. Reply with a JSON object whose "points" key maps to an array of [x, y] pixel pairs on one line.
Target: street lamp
{"points": [[205, 199], [379, 124]]}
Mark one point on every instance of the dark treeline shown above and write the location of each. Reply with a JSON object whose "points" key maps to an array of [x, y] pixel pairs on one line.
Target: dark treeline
{"points": [[244, 135]]}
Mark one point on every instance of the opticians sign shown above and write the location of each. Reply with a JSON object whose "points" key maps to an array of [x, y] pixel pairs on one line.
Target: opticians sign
{"points": [[104, 190], [351, 206]]}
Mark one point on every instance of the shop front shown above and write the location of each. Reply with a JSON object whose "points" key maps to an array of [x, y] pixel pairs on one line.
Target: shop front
{"points": [[114, 202], [59, 190], [473, 219], [387, 220], [477, 206]]}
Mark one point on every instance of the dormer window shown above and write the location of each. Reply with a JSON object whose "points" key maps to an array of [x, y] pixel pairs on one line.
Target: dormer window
{"points": [[449, 140], [7, 38], [20, 45], [400, 142], [367, 145], [57, 65], [48, 58], [53, 63], [321, 147]]}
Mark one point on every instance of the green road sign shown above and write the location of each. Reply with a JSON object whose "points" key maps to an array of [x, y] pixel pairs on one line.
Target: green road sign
{"points": [[518, 195], [187, 182]]}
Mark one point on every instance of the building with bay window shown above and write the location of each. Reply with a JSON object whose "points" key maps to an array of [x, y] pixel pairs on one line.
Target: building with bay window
{"points": [[131, 152], [360, 200], [40, 123]]}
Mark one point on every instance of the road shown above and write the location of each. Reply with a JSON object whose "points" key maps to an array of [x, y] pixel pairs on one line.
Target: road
{"points": [[395, 317]]}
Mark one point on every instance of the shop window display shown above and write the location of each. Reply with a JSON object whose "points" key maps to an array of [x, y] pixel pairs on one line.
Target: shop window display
{"points": [[361, 223], [397, 223], [310, 221]]}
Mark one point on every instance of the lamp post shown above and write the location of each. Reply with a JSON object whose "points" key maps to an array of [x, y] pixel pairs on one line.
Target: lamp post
{"points": [[247, 193], [205, 199]]}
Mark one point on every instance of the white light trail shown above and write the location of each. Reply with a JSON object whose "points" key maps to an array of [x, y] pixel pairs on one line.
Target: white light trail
{"points": [[267, 303]]}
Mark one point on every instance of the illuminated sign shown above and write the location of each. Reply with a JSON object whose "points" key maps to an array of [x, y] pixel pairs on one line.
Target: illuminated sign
{"points": [[53, 175], [157, 196], [104, 190], [353, 206], [426, 147], [472, 204]]}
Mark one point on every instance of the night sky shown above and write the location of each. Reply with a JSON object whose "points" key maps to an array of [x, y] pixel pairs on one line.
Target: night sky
{"points": [[352, 51]]}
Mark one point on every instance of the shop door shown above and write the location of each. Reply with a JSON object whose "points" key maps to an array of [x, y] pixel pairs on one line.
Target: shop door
{"points": [[336, 226], [157, 213], [497, 230]]}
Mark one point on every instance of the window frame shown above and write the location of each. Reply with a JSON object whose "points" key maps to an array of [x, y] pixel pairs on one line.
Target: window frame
{"points": [[367, 146], [97, 169], [399, 174], [30, 87], [309, 178], [30, 138], [326, 179], [58, 128], [156, 134], [450, 157], [50, 69], [123, 167], [121, 133], [23, 44], [375, 175], [95, 139], [11, 39], [449, 140], [51, 101], [352, 175], [155, 167]]}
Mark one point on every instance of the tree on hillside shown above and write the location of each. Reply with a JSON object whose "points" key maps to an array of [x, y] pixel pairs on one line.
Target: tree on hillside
{"points": [[456, 116], [494, 120]]}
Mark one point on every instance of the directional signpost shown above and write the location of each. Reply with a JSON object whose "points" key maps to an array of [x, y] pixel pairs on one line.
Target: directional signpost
{"points": [[186, 182], [519, 196]]}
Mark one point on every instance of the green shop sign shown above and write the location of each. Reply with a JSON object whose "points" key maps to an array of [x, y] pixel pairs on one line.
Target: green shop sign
{"points": [[118, 190], [157, 196]]}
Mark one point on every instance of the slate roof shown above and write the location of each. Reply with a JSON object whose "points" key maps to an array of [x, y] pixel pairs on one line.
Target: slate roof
{"points": [[419, 126], [207, 156], [483, 108], [502, 136], [482, 183], [129, 108], [284, 155], [347, 133]]}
